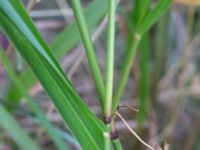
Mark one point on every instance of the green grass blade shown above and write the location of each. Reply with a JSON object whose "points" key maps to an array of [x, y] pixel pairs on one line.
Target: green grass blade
{"points": [[31, 102], [21, 138], [62, 44], [90, 51], [149, 20], [18, 27], [144, 78], [153, 16], [140, 10], [68, 137]]}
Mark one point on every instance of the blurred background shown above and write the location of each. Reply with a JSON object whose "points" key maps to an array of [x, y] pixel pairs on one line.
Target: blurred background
{"points": [[164, 81]]}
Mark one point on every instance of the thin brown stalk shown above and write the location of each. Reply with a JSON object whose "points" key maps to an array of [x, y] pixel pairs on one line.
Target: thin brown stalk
{"points": [[134, 133], [129, 107]]}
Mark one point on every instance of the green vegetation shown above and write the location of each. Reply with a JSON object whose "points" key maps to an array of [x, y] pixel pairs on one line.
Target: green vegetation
{"points": [[145, 69]]}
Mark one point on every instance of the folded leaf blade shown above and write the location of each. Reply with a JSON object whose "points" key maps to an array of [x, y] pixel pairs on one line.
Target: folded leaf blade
{"points": [[62, 44]]}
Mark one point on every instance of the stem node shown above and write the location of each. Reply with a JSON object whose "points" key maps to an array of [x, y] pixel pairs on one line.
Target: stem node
{"points": [[107, 120], [114, 135]]}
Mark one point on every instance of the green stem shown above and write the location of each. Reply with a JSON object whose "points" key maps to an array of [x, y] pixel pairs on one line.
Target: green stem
{"points": [[140, 10], [109, 67], [31, 103], [90, 51], [128, 60], [151, 18], [107, 141], [110, 58], [114, 135], [116, 144]]}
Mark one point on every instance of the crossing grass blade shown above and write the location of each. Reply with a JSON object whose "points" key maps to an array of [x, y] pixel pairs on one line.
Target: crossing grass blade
{"points": [[31, 103], [18, 27], [61, 45], [19, 136]]}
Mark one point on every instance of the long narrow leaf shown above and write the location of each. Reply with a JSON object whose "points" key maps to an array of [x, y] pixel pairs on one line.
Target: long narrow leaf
{"points": [[153, 16], [21, 138], [31, 102], [17, 25], [140, 10], [63, 43]]}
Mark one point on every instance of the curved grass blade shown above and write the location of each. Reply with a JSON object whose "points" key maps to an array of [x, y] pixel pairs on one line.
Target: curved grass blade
{"points": [[31, 103], [62, 44], [19, 136], [17, 25]]}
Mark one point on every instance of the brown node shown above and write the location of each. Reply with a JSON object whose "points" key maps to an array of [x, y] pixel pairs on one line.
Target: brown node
{"points": [[114, 135], [107, 120]]}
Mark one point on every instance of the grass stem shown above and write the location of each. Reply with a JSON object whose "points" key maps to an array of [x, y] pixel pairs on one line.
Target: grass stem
{"points": [[110, 58], [90, 51], [116, 144], [128, 60], [144, 79]]}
